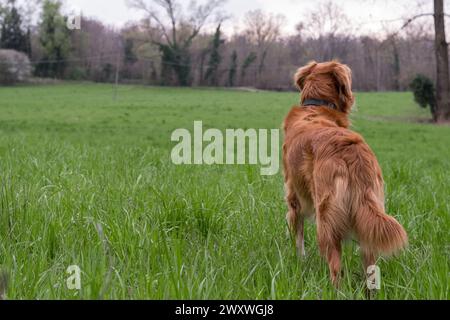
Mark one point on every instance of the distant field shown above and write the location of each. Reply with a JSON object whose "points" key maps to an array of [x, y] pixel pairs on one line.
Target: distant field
{"points": [[72, 157]]}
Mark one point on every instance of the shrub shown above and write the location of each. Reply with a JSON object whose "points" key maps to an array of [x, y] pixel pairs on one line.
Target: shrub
{"points": [[106, 73], [77, 73], [14, 67], [424, 93]]}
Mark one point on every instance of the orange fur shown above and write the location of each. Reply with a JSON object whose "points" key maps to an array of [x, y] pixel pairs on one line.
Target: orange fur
{"points": [[332, 174]]}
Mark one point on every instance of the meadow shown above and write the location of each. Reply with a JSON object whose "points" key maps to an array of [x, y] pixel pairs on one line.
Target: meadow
{"points": [[87, 180]]}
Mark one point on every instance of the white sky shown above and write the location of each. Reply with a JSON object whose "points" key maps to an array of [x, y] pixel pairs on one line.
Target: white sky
{"points": [[366, 14]]}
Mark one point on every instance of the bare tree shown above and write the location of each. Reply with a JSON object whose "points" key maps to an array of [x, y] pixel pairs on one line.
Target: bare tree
{"points": [[327, 19], [177, 30], [262, 29], [331, 27]]}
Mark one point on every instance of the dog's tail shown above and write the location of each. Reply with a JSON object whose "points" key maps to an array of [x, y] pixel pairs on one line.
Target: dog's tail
{"points": [[377, 231]]}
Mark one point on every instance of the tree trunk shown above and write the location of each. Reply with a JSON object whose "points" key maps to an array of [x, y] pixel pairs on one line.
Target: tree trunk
{"points": [[442, 73], [396, 65]]}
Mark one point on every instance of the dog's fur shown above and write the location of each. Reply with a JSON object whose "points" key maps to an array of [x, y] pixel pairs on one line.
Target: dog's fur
{"points": [[332, 175]]}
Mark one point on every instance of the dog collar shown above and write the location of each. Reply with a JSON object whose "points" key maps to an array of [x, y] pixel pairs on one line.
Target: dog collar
{"points": [[318, 102]]}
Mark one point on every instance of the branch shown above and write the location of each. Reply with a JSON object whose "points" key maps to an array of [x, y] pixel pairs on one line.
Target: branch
{"points": [[200, 17], [169, 7], [409, 21], [171, 13], [140, 4]]}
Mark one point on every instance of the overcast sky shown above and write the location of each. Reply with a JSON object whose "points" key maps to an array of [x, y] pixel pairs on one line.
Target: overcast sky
{"points": [[366, 14]]}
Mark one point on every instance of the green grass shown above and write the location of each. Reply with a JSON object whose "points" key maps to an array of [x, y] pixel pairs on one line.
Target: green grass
{"points": [[72, 158]]}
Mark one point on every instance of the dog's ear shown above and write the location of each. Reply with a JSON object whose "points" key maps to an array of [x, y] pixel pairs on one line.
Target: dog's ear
{"points": [[343, 76], [302, 73]]}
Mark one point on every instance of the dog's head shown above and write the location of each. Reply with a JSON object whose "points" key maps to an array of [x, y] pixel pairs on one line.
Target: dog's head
{"points": [[330, 81]]}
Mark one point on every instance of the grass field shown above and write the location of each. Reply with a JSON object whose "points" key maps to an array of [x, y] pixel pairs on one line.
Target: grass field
{"points": [[72, 158]]}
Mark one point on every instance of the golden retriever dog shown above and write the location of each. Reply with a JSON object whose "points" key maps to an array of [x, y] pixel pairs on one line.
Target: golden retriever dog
{"points": [[331, 174]]}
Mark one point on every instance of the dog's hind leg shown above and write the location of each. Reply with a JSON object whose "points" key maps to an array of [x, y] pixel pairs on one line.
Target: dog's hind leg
{"points": [[331, 214], [369, 259], [330, 248], [293, 208], [330, 234], [295, 220], [300, 240], [331, 230]]}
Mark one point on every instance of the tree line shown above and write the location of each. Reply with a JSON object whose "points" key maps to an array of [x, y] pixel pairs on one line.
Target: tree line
{"points": [[175, 45]]}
